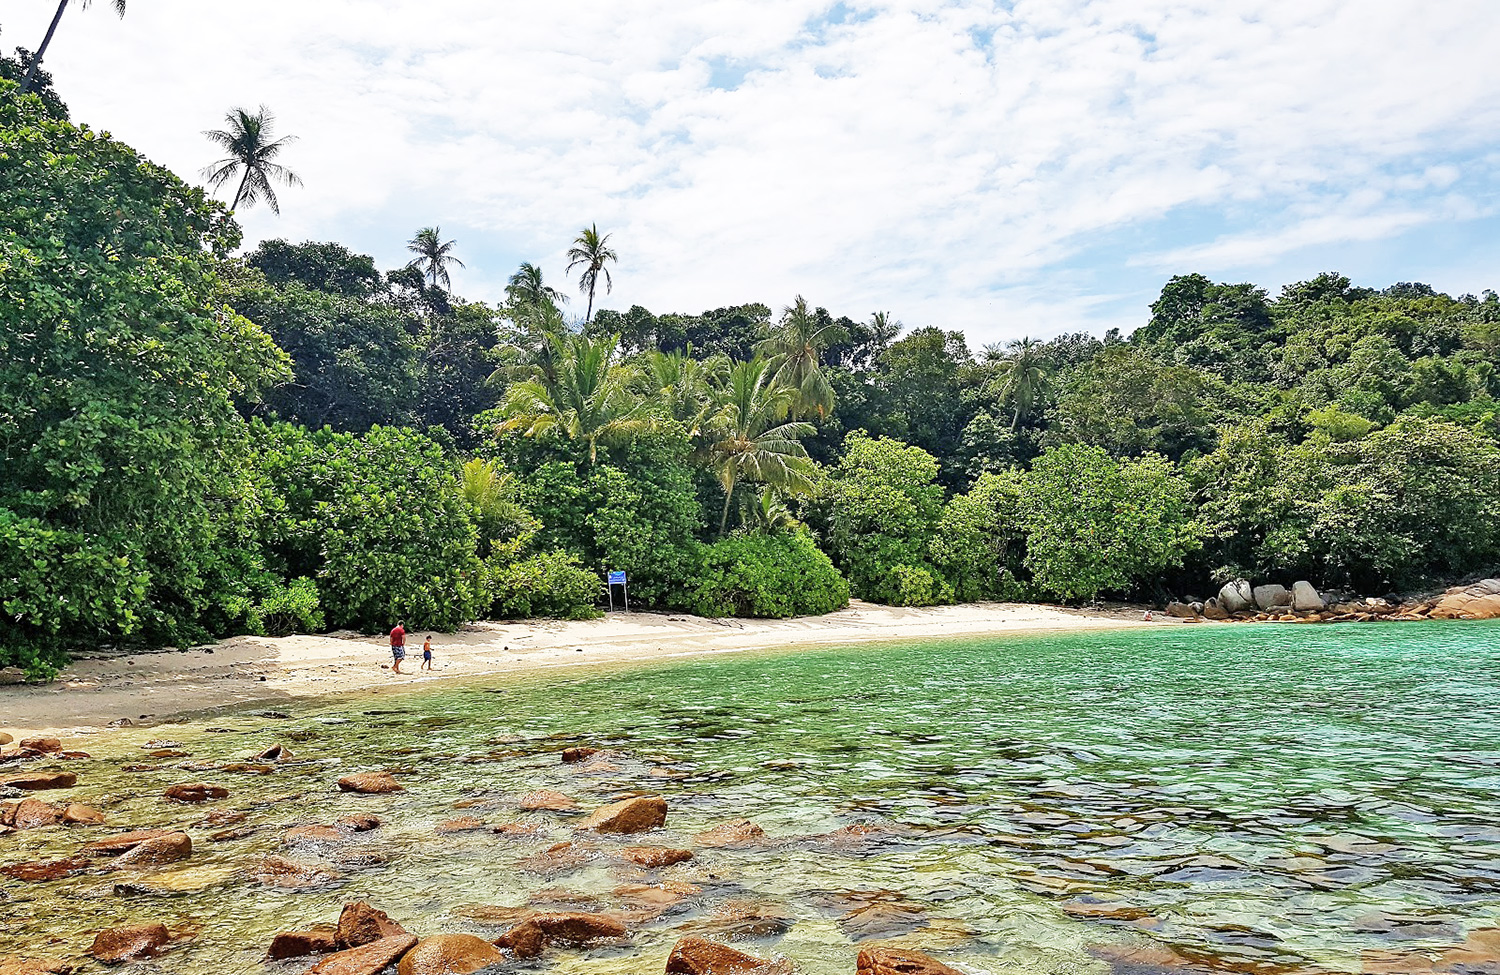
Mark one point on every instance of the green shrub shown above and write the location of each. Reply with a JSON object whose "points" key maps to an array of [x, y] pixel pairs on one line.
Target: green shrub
{"points": [[292, 608], [547, 584], [767, 575], [910, 585]]}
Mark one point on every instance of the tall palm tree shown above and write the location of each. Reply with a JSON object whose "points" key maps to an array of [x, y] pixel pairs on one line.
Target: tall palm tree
{"points": [[1023, 376], [41, 52], [589, 400], [526, 288], [252, 152], [749, 438], [433, 255], [794, 348], [591, 252], [680, 385]]}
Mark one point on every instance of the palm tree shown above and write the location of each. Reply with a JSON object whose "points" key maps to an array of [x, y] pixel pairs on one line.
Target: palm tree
{"points": [[795, 349], [526, 288], [433, 256], [1023, 376], [589, 400], [680, 385], [41, 52], [592, 253], [749, 438], [251, 153]]}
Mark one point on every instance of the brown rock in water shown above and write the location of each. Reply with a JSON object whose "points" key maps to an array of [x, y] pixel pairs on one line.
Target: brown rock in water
{"points": [[40, 781], [195, 792], [546, 799], [275, 871], [276, 753], [46, 746], [370, 783], [738, 833], [629, 816], [370, 959], [653, 899], [115, 946], [463, 824], [360, 824], [360, 924], [557, 858], [449, 954], [307, 835], [541, 931], [572, 756], [122, 842], [892, 961], [874, 913], [698, 956], [39, 871], [655, 856], [223, 817], [300, 944], [77, 814], [31, 814], [15, 965], [156, 851], [747, 919]]}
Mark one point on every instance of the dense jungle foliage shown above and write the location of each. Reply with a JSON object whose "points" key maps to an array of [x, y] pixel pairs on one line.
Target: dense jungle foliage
{"points": [[198, 443]]}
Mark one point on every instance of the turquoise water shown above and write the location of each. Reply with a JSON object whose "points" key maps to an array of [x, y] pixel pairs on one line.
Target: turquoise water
{"points": [[1226, 798]]}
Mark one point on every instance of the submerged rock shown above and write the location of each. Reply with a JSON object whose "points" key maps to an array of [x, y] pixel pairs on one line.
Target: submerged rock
{"points": [[15, 965], [361, 924], [449, 954], [546, 800], [370, 959], [629, 816], [892, 961], [40, 781], [195, 792], [655, 856], [360, 824], [463, 824], [41, 871], [557, 858], [699, 956], [115, 946], [300, 944], [370, 783], [542, 931], [312, 835], [275, 871], [122, 842], [738, 833], [572, 756], [156, 851]]}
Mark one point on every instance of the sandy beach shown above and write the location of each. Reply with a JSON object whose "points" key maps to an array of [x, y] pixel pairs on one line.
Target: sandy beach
{"points": [[152, 687]]}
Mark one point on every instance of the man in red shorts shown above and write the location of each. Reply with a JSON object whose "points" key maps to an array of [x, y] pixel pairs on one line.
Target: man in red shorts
{"points": [[398, 646]]}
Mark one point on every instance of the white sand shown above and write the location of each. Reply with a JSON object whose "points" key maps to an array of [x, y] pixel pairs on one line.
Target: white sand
{"points": [[154, 686]]}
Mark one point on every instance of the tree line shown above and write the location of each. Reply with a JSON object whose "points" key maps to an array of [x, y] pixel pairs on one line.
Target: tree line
{"points": [[200, 442]]}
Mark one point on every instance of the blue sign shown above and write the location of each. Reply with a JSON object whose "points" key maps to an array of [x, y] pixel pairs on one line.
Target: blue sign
{"points": [[617, 578]]}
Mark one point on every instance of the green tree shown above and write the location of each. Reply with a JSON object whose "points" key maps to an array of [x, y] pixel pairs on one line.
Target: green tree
{"points": [[252, 155], [1128, 403], [434, 256], [766, 574], [749, 438], [591, 251], [794, 349], [979, 541], [526, 289], [589, 399], [41, 52], [1021, 377]]}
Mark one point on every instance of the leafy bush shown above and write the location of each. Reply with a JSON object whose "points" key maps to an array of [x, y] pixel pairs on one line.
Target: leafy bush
{"points": [[547, 584], [292, 608], [774, 575], [979, 542], [912, 585]]}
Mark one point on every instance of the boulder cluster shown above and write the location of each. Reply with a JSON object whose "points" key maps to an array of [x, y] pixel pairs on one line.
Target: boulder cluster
{"points": [[1302, 603]]}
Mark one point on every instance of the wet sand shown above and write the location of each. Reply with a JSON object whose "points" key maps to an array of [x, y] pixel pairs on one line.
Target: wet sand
{"points": [[151, 687]]}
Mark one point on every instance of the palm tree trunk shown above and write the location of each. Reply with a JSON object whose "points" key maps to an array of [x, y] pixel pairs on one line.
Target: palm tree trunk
{"points": [[1016, 424], [243, 180], [724, 519], [36, 58], [590, 313]]}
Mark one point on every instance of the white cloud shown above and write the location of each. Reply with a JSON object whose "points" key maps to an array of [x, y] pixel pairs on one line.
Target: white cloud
{"points": [[950, 161]]}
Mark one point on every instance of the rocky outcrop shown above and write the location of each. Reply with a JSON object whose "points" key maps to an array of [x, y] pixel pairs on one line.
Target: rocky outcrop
{"points": [[1213, 609], [1480, 601], [40, 781], [113, 846], [1237, 596], [629, 816], [892, 961], [1272, 597], [370, 959], [449, 954], [115, 946], [541, 931], [655, 856], [159, 850], [370, 783], [195, 792], [1306, 599], [741, 832], [361, 924], [300, 944], [699, 956], [1181, 611]]}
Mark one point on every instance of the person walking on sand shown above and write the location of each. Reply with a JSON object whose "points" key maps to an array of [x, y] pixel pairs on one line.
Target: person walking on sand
{"points": [[427, 654], [398, 646]]}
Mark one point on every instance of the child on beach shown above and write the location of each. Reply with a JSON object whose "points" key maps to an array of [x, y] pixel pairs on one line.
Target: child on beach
{"points": [[427, 654]]}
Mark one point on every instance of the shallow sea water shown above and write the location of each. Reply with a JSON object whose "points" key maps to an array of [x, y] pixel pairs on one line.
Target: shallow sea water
{"points": [[1269, 799]]}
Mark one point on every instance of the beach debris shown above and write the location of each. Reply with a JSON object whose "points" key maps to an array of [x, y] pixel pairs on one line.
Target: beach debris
{"points": [[655, 856], [361, 823], [370, 783], [449, 954], [628, 816], [277, 871], [546, 799], [462, 824], [123, 842], [576, 929], [361, 924], [300, 944], [168, 848], [41, 871], [572, 756], [738, 833], [15, 965], [40, 781], [699, 956], [115, 946], [195, 792], [894, 961], [370, 959]]}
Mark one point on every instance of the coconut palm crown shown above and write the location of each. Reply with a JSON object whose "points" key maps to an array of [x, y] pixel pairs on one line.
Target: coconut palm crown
{"points": [[591, 252], [434, 257], [252, 155]]}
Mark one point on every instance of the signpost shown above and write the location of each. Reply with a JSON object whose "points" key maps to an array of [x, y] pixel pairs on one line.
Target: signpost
{"points": [[618, 579]]}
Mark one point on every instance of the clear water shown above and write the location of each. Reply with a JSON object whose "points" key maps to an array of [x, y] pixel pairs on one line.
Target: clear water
{"points": [[1256, 799]]}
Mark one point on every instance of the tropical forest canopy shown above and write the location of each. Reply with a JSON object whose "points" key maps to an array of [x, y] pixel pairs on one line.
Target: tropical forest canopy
{"points": [[201, 441]]}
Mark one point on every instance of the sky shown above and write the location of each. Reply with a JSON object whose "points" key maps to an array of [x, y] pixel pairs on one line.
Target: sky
{"points": [[1008, 169]]}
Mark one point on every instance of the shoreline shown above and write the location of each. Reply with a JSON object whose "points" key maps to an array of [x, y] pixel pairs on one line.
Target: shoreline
{"points": [[151, 688]]}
